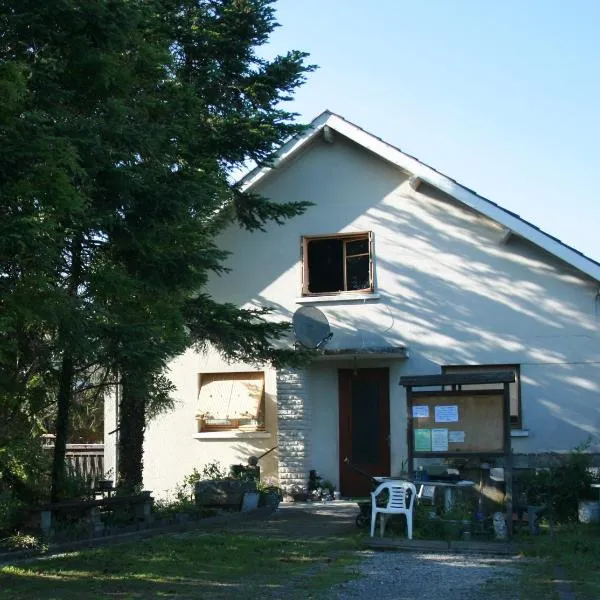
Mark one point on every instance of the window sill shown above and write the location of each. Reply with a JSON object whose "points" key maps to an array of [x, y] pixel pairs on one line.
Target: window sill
{"points": [[348, 297], [519, 433], [232, 435]]}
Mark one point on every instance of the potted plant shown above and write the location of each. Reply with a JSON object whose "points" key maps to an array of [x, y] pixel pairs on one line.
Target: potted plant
{"points": [[270, 495]]}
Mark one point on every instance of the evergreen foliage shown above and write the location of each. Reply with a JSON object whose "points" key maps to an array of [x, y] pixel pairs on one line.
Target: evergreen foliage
{"points": [[121, 125]]}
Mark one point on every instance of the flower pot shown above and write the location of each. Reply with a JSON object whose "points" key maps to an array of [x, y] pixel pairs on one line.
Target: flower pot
{"points": [[270, 498]]}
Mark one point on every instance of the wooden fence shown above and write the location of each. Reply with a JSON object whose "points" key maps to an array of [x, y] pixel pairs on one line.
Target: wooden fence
{"points": [[86, 460]]}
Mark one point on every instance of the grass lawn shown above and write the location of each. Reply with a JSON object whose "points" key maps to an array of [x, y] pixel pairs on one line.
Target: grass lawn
{"points": [[575, 550], [187, 566]]}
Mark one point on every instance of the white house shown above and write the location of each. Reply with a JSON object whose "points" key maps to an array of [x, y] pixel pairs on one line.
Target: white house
{"points": [[416, 275]]}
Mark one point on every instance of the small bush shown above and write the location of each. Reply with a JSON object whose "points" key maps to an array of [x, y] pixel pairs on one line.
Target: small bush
{"points": [[245, 472], [23, 541], [184, 493], [559, 486], [211, 470]]}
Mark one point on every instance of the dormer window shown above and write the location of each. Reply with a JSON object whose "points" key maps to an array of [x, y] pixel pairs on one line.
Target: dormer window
{"points": [[335, 264]]}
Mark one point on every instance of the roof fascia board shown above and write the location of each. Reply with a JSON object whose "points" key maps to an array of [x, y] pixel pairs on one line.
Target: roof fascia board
{"points": [[288, 149], [514, 224], [445, 184]]}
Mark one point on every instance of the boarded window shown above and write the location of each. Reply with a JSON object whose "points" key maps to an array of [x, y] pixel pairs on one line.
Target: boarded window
{"points": [[340, 263], [514, 388], [231, 401]]}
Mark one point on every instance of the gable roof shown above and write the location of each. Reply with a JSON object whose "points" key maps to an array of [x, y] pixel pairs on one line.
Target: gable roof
{"points": [[514, 224]]}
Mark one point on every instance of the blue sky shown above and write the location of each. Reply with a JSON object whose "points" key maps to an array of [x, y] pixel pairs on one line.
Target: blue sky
{"points": [[501, 95]]}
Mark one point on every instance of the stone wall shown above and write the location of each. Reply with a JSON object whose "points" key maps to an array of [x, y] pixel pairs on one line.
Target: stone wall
{"points": [[294, 422]]}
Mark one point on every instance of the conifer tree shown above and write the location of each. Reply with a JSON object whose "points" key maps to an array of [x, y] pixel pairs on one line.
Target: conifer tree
{"points": [[124, 122]]}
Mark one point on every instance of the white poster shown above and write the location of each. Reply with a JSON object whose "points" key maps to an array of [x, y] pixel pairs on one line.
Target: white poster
{"points": [[420, 411], [439, 440], [446, 414], [456, 437]]}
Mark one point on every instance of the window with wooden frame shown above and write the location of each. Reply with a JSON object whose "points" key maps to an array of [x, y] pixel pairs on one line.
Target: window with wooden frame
{"points": [[514, 388], [231, 401], [334, 264]]}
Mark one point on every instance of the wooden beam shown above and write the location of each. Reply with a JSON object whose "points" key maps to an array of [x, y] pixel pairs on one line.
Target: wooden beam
{"points": [[499, 377]]}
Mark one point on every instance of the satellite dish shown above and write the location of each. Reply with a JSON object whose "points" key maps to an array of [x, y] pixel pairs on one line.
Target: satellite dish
{"points": [[311, 327]]}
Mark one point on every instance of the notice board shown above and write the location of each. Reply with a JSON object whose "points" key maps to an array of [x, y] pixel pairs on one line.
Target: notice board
{"points": [[456, 423]]}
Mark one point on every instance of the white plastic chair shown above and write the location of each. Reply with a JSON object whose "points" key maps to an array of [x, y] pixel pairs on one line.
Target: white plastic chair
{"points": [[399, 502]]}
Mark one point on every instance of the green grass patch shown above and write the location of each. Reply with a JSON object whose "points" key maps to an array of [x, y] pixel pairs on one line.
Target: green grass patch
{"points": [[215, 566], [575, 549]]}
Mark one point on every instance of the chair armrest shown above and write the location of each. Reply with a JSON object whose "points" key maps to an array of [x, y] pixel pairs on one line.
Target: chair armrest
{"points": [[379, 489]]}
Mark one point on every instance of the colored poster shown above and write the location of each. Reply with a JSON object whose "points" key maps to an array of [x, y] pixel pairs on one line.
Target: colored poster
{"points": [[439, 440], [422, 440], [420, 411], [446, 414]]}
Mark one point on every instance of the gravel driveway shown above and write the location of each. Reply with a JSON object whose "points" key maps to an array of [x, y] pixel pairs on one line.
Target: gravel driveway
{"points": [[412, 576]]}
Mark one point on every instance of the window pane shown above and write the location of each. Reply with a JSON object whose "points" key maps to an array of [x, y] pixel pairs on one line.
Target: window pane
{"points": [[357, 272], [365, 421], [325, 262], [357, 247]]}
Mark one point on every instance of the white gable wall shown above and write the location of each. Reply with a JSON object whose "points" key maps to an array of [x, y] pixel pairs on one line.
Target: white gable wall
{"points": [[447, 287]]}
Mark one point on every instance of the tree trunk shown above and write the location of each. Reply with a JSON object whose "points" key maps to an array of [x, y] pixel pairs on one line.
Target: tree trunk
{"points": [[65, 386], [132, 424]]}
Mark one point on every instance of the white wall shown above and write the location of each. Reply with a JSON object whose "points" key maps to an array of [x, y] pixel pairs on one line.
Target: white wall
{"points": [[173, 447], [448, 288]]}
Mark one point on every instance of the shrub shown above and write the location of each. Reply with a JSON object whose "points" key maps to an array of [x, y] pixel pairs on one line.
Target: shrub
{"points": [[560, 485], [184, 493], [23, 541], [245, 472], [319, 488], [211, 470]]}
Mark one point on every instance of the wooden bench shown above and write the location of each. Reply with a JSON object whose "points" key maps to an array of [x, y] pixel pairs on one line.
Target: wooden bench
{"points": [[90, 511]]}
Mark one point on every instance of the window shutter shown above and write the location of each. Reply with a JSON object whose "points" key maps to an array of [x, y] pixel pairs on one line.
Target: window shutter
{"points": [[231, 401]]}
